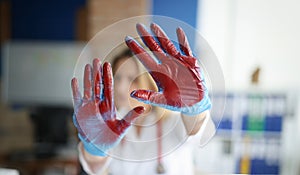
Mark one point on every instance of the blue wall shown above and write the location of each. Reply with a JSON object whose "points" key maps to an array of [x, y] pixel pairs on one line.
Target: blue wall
{"points": [[55, 19], [183, 10], [44, 19]]}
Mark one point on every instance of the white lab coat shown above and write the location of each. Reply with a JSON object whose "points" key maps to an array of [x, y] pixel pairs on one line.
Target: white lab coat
{"points": [[138, 154]]}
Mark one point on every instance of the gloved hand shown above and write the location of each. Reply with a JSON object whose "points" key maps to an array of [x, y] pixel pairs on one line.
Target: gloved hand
{"points": [[95, 112], [181, 86]]}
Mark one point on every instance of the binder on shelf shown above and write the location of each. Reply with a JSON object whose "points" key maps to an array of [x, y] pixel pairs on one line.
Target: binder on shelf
{"points": [[254, 121]]}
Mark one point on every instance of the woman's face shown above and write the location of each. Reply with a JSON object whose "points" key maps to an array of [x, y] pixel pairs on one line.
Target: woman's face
{"points": [[125, 74]]}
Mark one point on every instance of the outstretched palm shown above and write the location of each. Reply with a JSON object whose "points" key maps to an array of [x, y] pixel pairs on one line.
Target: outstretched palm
{"points": [[95, 112], [181, 86]]}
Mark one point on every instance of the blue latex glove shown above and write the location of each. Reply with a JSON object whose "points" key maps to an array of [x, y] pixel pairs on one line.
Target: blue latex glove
{"points": [[95, 112], [181, 86]]}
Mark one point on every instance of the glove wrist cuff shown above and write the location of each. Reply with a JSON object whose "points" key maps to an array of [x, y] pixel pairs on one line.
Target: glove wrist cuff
{"points": [[91, 148], [197, 108]]}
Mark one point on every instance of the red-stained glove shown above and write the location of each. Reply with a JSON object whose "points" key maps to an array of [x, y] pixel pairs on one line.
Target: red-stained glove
{"points": [[95, 112], [181, 86]]}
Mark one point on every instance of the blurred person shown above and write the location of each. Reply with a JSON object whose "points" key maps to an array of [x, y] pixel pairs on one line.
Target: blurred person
{"points": [[105, 129]]}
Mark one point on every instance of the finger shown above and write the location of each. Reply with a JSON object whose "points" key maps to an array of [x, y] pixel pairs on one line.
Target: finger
{"points": [[141, 54], [76, 92], [75, 121], [165, 42], [97, 78], [183, 42], [108, 85], [149, 97], [133, 114], [87, 82], [150, 41]]}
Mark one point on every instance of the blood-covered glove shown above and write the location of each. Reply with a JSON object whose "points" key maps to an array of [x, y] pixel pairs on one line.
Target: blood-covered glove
{"points": [[95, 112], [181, 86]]}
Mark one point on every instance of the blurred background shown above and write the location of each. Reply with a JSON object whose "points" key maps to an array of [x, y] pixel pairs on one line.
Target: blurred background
{"points": [[257, 46]]}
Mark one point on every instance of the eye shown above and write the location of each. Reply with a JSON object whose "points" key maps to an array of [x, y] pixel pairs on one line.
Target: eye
{"points": [[117, 77]]}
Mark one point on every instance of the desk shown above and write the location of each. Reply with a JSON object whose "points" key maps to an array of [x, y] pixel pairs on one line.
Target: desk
{"points": [[32, 166]]}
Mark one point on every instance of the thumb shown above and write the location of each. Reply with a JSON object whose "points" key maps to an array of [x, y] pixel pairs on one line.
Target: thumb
{"points": [[120, 126], [149, 97], [133, 114]]}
